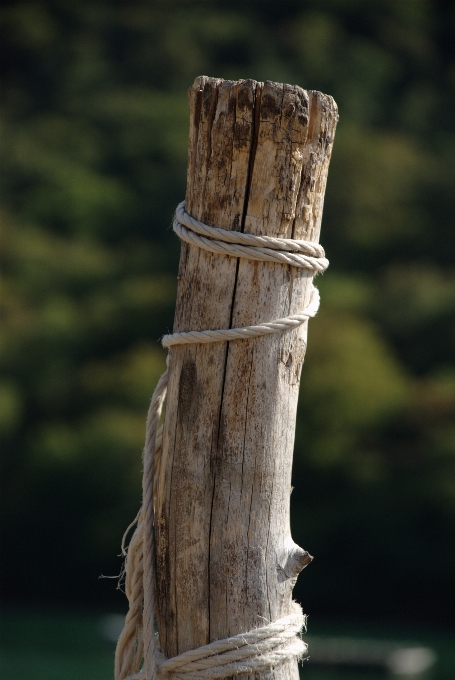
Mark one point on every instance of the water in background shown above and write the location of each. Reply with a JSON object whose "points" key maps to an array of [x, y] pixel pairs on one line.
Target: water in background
{"points": [[74, 646]]}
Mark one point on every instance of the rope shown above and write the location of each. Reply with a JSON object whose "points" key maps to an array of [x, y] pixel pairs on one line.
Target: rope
{"points": [[249, 652], [236, 244], [192, 337], [261, 648]]}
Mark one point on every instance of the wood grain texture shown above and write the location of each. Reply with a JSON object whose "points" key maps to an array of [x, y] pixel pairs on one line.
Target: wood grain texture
{"points": [[258, 162]]}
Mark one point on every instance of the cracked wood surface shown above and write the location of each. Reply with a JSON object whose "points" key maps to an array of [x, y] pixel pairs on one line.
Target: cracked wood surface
{"points": [[258, 162]]}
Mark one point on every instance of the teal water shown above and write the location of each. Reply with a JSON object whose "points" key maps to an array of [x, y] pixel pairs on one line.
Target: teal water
{"points": [[43, 646], [71, 646]]}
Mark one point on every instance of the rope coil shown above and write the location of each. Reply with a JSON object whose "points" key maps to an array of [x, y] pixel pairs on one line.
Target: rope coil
{"points": [[245, 653], [237, 244], [262, 647]]}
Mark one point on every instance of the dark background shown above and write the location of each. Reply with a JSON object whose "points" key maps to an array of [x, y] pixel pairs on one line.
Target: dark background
{"points": [[94, 160]]}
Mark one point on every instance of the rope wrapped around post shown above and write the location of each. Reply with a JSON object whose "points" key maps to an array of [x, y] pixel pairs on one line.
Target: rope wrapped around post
{"points": [[260, 648]]}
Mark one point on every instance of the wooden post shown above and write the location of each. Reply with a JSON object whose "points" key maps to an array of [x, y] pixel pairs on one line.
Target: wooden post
{"points": [[226, 563]]}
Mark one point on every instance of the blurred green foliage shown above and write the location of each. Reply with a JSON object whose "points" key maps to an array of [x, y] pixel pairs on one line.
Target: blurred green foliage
{"points": [[95, 132]]}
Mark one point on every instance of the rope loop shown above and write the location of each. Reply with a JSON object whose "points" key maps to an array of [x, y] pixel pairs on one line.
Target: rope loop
{"points": [[304, 254]]}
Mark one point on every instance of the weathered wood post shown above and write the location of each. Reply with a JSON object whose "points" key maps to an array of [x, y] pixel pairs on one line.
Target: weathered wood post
{"points": [[258, 162]]}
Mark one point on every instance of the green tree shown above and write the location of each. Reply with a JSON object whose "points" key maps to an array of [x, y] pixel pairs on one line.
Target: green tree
{"points": [[95, 121]]}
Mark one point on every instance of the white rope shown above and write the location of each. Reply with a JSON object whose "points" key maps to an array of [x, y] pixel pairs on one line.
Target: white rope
{"points": [[245, 653], [237, 244], [260, 648], [289, 245], [224, 335]]}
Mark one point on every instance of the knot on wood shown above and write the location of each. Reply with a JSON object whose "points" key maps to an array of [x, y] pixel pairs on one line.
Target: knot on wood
{"points": [[295, 560]]}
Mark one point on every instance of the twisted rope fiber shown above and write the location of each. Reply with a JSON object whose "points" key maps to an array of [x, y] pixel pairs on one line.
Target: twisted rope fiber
{"points": [[237, 244], [244, 653], [260, 648]]}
